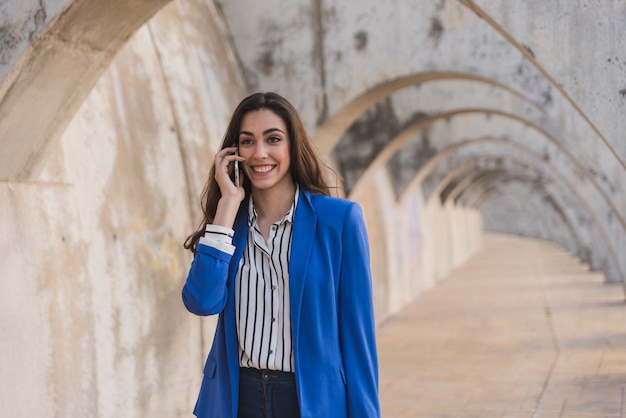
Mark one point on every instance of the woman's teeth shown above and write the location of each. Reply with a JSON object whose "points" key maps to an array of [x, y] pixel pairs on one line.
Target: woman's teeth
{"points": [[262, 168]]}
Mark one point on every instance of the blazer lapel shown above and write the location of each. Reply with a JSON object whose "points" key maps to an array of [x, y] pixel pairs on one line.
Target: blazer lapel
{"points": [[304, 225], [240, 238], [239, 241]]}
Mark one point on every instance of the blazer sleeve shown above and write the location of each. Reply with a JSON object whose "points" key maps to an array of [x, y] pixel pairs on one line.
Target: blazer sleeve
{"points": [[205, 291], [356, 318]]}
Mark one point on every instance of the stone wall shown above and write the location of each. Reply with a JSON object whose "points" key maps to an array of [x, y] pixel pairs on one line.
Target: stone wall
{"points": [[93, 264]]}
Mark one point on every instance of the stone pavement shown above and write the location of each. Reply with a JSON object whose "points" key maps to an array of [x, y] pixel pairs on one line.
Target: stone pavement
{"points": [[521, 330]]}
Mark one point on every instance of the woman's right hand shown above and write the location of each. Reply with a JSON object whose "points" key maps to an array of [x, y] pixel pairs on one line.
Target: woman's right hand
{"points": [[224, 168], [232, 195]]}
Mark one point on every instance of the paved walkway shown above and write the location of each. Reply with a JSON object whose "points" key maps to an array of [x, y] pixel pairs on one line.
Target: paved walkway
{"points": [[521, 330]]}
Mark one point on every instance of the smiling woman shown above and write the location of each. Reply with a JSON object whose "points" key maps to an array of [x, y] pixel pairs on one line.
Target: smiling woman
{"points": [[286, 323]]}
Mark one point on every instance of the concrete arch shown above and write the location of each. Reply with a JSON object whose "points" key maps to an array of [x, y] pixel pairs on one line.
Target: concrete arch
{"points": [[461, 177], [481, 195], [476, 187], [52, 78], [539, 121], [481, 13], [329, 134], [396, 144], [467, 191], [466, 183], [531, 161], [594, 243], [614, 272], [549, 211], [595, 196]]}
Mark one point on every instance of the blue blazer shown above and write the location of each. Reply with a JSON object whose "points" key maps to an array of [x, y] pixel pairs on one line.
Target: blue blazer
{"points": [[332, 318]]}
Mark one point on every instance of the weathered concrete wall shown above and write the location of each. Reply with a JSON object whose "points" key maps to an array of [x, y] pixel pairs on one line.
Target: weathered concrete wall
{"points": [[93, 264], [63, 48], [413, 244], [21, 23], [378, 83]]}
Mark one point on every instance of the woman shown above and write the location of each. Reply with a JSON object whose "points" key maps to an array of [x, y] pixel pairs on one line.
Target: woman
{"points": [[286, 267]]}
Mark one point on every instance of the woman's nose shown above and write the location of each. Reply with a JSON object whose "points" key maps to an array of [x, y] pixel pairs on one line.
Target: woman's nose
{"points": [[260, 151]]}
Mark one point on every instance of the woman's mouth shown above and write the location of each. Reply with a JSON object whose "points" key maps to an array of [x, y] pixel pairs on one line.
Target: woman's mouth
{"points": [[261, 169]]}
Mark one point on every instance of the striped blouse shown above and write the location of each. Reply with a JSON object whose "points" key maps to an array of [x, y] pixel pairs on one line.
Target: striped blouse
{"points": [[261, 291]]}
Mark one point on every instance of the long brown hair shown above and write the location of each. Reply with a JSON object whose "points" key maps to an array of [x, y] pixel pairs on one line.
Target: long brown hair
{"points": [[305, 167]]}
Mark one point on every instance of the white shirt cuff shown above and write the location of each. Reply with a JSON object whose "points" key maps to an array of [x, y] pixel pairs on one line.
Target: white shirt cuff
{"points": [[219, 237]]}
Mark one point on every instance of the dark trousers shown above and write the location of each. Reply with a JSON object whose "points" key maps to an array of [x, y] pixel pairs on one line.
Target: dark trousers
{"points": [[267, 394]]}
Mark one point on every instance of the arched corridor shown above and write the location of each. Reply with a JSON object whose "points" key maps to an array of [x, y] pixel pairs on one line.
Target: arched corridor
{"points": [[522, 329], [446, 120]]}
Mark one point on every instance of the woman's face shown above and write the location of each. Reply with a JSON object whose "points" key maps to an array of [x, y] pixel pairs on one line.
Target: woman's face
{"points": [[265, 143]]}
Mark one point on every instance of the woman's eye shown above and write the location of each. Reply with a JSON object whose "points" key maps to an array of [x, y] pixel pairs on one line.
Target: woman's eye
{"points": [[245, 141], [274, 139]]}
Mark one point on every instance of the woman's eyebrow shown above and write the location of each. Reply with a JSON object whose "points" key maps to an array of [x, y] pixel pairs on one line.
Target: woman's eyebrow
{"points": [[267, 131], [270, 130]]}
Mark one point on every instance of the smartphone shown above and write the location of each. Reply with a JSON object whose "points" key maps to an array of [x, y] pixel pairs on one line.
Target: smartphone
{"points": [[237, 183]]}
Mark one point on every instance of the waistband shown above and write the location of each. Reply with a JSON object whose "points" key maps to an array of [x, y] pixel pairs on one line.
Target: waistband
{"points": [[268, 374]]}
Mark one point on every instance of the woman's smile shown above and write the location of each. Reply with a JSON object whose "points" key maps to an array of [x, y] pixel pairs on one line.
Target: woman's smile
{"points": [[262, 169]]}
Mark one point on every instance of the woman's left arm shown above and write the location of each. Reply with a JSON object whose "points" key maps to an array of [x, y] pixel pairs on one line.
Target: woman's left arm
{"points": [[356, 318]]}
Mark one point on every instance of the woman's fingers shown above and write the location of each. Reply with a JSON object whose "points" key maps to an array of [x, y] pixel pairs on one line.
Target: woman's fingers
{"points": [[224, 163], [222, 157]]}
